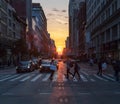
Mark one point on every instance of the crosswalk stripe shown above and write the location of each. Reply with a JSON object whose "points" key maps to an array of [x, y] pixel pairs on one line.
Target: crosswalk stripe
{"points": [[35, 78], [18, 77], [26, 78], [84, 73], [100, 78], [46, 77], [75, 80], [8, 78], [108, 77], [92, 80], [83, 78], [4, 76]]}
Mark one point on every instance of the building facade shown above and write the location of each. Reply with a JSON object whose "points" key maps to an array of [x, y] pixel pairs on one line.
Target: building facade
{"points": [[76, 26], [103, 25], [24, 11], [11, 28], [40, 29]]}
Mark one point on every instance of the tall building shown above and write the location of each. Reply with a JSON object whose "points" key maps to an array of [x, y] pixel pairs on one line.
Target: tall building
{"points": [[81, 27], [24, 10], [76, 19], [11, 30], [40, 28], [103, 25]]}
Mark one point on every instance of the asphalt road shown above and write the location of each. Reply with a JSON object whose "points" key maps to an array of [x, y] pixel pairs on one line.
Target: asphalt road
{"points": [[36, 88]]}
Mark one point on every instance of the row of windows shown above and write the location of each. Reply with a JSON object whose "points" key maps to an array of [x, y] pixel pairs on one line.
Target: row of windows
{"points": [[105, 15], [97, 6], [110, 34], [3, 5]]}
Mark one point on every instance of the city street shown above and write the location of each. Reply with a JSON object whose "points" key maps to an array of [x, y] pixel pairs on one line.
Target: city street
{"points": [[36, 88]]}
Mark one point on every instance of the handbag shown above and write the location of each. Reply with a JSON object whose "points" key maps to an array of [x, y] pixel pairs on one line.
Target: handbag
{"points": [[53, 67], [104, 66]]}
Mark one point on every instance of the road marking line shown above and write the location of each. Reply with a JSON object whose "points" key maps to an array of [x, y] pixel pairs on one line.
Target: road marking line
{"points": [[35, 78], [61, 100], [85, 73], [44, 93], [8, 93], [92, 80], [4, 76], [117, 92], [18, 77], [83, 78], [84, 93], [100, 78], [108, 77], [8, 78], [75, 80], [46, 77], [66, 100], [26, 78]]}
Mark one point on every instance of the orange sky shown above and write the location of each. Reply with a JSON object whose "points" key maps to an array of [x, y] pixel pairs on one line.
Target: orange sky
{"points": [[56, 12]]}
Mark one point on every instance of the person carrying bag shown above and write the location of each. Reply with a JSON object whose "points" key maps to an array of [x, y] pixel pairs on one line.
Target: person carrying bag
{"points": [[53, 68]]}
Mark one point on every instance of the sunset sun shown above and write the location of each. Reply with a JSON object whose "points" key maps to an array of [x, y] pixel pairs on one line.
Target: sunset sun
{"points": [[59, 50]]}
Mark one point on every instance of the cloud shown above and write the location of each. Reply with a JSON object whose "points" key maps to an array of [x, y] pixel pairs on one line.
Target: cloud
{"points": [[66, 16], [50, 14], [60, 21], [56, 10], [65, 23], [63, 10]]}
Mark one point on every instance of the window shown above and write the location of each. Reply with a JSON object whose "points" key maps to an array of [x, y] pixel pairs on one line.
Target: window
{"points": [[102, 37], [108, 35], [13, 26], [10, 23], [114, 32]]}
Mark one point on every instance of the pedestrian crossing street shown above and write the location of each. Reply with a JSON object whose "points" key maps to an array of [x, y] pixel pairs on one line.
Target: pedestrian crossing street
{"points": [[44, 77]]}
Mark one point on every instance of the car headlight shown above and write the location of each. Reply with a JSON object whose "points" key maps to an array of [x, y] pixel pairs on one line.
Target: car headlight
{"points": [[28, 66]]}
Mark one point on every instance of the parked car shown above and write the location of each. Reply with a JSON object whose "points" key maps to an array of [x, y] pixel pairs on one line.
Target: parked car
{"points": [[45, 66], [25, 66]]}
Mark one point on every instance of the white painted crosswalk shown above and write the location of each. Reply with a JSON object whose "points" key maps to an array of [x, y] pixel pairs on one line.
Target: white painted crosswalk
{"points": [[34, 77]]}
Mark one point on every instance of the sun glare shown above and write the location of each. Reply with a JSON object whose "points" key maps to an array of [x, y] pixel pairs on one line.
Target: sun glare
{"points": [[59, 50]]}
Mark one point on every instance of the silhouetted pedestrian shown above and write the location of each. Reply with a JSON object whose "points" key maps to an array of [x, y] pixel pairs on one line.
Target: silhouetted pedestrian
{"points": [[76, 69], [116, 67], [99, 67], [69, 65], [53, 69]]}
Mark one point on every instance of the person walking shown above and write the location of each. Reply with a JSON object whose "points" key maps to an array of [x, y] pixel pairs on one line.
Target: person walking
{"points": [[69, 65], [91, 62], [52, 69], [99, 67], [116, 67], [76, 69]]}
